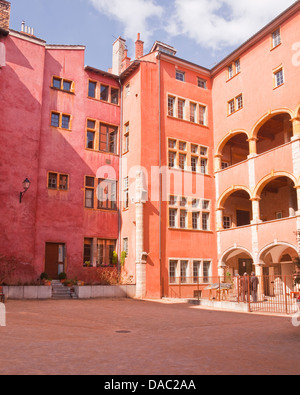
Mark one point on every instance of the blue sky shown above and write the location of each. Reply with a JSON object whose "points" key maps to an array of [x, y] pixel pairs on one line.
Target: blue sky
{"points": [[202, 31]]}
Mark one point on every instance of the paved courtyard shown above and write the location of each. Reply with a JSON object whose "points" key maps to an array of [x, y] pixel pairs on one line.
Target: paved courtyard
{"points": [[131, 337]]}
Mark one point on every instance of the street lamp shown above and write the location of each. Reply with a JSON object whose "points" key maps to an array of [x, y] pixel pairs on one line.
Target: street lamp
{"points": [[26, 185]]}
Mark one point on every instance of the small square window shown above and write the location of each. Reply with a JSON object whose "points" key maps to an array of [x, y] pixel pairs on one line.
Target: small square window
{"points": [[67, 85], [202, 83], [239, 102], [63, 182], [180, 75], [56, 83]]}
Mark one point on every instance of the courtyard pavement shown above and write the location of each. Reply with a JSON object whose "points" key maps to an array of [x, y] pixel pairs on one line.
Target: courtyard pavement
{"points": [[132, 337]]}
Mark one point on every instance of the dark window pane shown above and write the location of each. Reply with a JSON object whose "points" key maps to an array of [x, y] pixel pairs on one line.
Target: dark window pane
{"points": [[104, 93], [55, 120], [57, 83], [65, 123], [90, 140], [92, 89], [89, 182], [115, 96], [52, 181], [67, 86], [63, 182]]}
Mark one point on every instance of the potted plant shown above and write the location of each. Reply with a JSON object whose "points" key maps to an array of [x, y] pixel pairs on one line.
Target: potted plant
{"points": [[123, 257], [62, 277], [45, 279]]}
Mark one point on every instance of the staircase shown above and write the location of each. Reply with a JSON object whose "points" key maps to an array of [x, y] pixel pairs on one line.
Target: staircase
{"points": [[59, 291]]}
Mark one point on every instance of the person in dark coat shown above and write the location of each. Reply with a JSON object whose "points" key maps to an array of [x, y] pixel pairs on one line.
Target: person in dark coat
{"points": [[254, 282]]}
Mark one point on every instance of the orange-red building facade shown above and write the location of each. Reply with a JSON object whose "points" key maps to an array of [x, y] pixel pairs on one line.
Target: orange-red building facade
{"points": [[192, 172]]}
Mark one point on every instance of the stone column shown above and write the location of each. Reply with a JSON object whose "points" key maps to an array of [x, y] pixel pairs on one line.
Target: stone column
{"points": [[218, 162], [296, 127], [140, 254], [256, 211], [252, 147], [219, 217]]}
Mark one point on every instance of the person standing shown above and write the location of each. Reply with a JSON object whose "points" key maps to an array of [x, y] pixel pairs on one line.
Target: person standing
{"points": [[254, 282]]}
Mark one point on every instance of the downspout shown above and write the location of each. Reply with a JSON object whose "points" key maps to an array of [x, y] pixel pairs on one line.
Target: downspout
{"points": [[160, 177], [120, 177]]}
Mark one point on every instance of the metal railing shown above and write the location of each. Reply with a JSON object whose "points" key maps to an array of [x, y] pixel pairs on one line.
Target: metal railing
{"points": [[270, 294]]}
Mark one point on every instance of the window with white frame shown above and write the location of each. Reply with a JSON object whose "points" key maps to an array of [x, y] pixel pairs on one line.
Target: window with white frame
{"points": [[180, 75], [276, 38], [190, 271], [278, 78]]}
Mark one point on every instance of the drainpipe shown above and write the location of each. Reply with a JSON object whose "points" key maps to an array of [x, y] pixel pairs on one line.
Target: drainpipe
{"points": [[160, 176], [120, 175]]}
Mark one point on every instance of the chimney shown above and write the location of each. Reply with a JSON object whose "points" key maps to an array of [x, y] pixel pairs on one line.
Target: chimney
{"points": [[119, 47], [126, 61], [4, 16], [139, 47]]}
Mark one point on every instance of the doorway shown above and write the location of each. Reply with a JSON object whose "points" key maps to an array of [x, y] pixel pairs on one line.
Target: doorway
{"points": [[245, 266], [54, 259]]}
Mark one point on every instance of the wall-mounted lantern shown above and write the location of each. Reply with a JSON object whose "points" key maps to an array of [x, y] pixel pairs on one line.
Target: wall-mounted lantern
{"points": [[26, 185]]}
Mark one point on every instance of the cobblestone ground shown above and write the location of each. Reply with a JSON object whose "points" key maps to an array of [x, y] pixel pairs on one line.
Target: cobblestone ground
{"points": [[130, 337]]}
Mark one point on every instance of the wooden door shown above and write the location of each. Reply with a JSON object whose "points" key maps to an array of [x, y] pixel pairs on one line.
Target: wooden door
{"points": [[52, 260]]}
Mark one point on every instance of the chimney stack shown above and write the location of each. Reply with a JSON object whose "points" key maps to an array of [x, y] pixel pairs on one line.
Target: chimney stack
{"points": [[139, 47], [4, 16], [119, 47]]}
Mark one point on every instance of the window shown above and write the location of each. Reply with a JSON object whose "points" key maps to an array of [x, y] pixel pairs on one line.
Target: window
{"points": [[105, 250], [239, 102], [91, 134], [104, 91], [235, 104], [89, 192], [233, 69], [195, 220], [196, 271], [125, 245], [182, 161], [230, 71], [183, 271], [202, 83], [193, 109], [104, 192], [187, 156], [108, 138], [172, 271], [92, 89], [181, 105], [59, 120], [65, 121], [55, 117], [194, 163], [127, 90], [278, 78], [276, 38], [231, 107], [206, 271], [126, 192], [173, 218], [58, 181], [107, 194], [180, 75], [172, 159], [202, 115], [87, 252], [114, 96], [226, 222], [62, 84], [205, 221], [171, 106]]}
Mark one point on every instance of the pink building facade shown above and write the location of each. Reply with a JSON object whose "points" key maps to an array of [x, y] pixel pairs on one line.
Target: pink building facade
{"points": [[185, 172]]}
